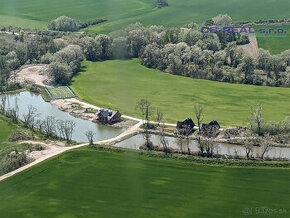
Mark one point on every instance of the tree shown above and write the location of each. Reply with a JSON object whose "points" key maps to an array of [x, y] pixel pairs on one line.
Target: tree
{"points": [[3, 102], [256, 119], [66, 129], [247, 67], [91, 51], [207, 145], [4, 72], [199, 114], [64, 23], [12, 60], [248, 143], [104, 43], [90, 136], [72, 55], [164, 142], [60, 73], [266, 143], [159, 116], [29, 118], [223, 20], [48, 126], [145, 108]]}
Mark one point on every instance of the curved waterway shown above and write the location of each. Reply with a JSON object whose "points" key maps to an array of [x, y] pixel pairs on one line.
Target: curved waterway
{"points": [[24, 99], [221, 148]]}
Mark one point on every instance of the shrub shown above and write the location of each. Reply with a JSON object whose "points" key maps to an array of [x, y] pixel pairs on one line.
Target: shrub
{"points": [[12, 162]]}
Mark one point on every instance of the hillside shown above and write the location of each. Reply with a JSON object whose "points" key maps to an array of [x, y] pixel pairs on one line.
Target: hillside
{"points": [[120, 84]]}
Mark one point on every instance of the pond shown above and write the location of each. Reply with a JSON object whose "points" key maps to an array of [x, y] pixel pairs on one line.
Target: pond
{"points": [[221, 148], [24, 99]]}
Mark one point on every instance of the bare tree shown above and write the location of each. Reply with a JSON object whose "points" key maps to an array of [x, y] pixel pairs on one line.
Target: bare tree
{"points": [[248, 143], [207, 145], [159, 116], [13, 114], [200, 146], [3, 102], [90, 136], [199, 114], [187, 131], [266, 143], [145, 107], [164, 142], [29, 118], [66, 129], [256, 119], [48, 125], [180, 141]]}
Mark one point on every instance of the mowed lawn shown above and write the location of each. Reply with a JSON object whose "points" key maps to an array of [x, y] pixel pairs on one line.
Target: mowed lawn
{"points": [[120, 84], [35, 14], [91, 183]]}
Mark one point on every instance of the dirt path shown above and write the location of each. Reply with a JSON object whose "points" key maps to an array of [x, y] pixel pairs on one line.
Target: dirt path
{"points": [[55, 150]]}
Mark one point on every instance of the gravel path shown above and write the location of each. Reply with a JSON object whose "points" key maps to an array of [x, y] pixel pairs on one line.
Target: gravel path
{"points": [[55, 150]]}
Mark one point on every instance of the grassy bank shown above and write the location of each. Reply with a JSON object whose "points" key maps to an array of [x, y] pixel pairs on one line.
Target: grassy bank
{"points": [[92, 183], [120, 84]]}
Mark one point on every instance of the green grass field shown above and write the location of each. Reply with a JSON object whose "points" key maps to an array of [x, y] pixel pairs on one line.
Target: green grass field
{"points": [[274, 42], [6, 129], [91, 183], [30, 13], [60, 92], [120, 84]]}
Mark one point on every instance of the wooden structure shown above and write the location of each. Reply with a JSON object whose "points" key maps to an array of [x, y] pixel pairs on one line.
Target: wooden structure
{"points": [[107, 116]]}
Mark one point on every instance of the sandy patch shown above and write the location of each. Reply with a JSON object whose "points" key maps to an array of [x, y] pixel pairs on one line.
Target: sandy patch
{"points": [[36, 74], [252, 48]]}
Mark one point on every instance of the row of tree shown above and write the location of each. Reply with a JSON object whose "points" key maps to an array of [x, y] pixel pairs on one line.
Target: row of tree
{"points": [[259, 133], [51, 127]]}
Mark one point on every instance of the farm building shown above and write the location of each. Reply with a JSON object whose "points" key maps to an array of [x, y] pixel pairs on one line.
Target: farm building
{"points": [[186, 125], [107, 116]]}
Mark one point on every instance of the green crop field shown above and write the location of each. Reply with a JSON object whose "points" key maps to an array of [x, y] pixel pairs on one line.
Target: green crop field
{"points": [[120, 84], [274, 42], [91, 183], [35, 14], [60, 92]]}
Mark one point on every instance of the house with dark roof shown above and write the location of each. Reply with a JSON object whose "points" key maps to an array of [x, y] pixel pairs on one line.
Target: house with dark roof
{"points": [[185, 126], [108, 116], [211, 129]]}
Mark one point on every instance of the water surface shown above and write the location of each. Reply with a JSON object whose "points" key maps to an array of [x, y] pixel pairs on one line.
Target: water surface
{"points": [[24, 99]]}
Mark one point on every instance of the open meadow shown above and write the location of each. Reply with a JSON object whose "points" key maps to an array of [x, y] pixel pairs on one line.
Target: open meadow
{"points": [[92, 183], [120, 84], [275, 43], [30, 13]]}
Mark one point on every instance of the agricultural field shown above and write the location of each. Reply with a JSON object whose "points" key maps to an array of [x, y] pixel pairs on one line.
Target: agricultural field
{"points": [[60, 92], [274, 43], [126, 184], [120, 84], [30, 13]]}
